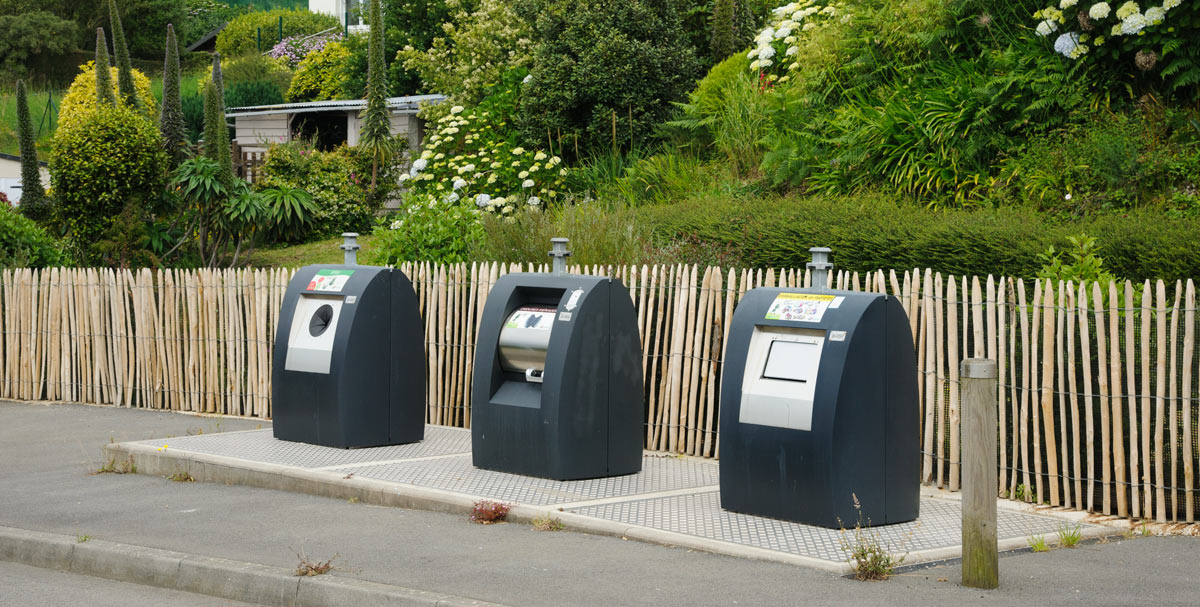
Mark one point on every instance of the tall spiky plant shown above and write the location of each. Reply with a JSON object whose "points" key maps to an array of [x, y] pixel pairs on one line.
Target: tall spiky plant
{"points": [[723, 30], [104, 87], [121, 50], [216, 135], [33, 197], [376, 135], [217, 78], [170, 121]]}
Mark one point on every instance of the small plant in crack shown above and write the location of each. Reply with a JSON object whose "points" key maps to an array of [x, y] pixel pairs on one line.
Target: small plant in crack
{"points": [[309, 568], [487, 512]]}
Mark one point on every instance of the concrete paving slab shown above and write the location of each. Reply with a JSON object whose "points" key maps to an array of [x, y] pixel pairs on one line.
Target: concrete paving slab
{"points": [[673, 500]]}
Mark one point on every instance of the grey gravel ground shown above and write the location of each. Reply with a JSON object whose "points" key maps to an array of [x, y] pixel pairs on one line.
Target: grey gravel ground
{"points": [[36, 587], [48, 451]]}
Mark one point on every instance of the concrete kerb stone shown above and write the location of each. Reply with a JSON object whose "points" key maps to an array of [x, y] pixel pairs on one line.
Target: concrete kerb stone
{"points": [[46, 550], [223, 578]]}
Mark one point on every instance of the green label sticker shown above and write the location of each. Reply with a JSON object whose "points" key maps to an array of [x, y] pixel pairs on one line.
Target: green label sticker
{"points": [[329, 281]]}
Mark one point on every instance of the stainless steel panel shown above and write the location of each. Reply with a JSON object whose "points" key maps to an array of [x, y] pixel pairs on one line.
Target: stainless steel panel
{"points": [[525, 338]]}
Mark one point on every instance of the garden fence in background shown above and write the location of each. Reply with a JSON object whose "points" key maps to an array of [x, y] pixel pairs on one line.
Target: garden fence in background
{"points": [[1098, 388]]}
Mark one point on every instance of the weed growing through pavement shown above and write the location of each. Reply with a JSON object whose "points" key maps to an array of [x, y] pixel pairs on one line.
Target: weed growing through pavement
{"points": [[1144, 530], [1069, 535], [308, 568], [487, 512], [353, 500], [112, 467], [182, 477], [79, 539], [869, 556], [1038, 543], [547, 523]]}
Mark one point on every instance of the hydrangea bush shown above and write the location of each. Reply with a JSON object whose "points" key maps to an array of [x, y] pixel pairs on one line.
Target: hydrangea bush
{"points": [[472, 156], [776, 50], [1145, 33]]}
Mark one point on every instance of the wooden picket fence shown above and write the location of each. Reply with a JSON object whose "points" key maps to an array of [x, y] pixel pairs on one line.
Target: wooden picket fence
{"points": [[1097, 398]]}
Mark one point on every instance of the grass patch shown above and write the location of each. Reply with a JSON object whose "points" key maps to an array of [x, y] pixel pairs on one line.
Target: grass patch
{"points": [[1038, 543], [1069, 535], [112, 466], [547, 523], [294, 256], [44, 120], [310, 568], [182, 477]]}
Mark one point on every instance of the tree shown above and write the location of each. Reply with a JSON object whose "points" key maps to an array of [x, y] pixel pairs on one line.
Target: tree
{"points": [[171, 123], [605, 72], [124, 65], [104, 88], [376, 135], [33, 197], [412, 23], [30, 42]]}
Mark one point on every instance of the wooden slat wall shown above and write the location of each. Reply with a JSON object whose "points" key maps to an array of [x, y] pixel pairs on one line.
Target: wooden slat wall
{"points": [[1075, 360]]}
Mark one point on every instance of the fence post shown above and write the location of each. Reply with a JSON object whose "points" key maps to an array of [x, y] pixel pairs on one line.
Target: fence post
{"points": [[980, 556]]}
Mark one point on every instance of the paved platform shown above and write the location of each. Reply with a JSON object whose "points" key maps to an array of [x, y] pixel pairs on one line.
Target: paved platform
{"points": [[672, 501]]}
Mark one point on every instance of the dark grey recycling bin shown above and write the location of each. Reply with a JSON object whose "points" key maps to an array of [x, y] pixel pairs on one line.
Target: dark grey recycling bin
{"points": [[819, 407], [349, 367], [557, 391]]}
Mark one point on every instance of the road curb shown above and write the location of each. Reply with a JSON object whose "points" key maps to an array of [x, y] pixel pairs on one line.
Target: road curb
{"points": [[222, 578]]}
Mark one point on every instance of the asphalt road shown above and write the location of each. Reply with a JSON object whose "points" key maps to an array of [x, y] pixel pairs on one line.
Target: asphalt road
{"points": [[35, 587], [45, 485]]}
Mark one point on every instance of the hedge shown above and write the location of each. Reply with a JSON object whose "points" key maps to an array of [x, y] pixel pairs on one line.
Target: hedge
{"points": [[874, 231], [240, 36]]}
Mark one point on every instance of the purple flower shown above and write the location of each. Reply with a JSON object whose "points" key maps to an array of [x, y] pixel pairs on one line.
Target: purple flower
{"points": [[293, 49]]}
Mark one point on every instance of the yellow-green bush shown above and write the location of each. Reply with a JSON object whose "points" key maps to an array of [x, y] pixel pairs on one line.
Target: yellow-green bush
{"points": [[80, 100], [322, 75], [99, 162]]}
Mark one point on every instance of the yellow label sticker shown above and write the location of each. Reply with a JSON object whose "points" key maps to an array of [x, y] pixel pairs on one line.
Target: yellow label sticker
{"points": [[799, 307]]}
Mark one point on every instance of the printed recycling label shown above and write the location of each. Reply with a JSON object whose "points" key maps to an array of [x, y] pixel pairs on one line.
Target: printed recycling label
{"points": [[800, 307], [329, 281], [532, 317]]}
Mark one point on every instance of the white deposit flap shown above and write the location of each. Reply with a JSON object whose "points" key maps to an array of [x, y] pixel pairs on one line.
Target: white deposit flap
{"points": [[781, 377], [314, 326]]}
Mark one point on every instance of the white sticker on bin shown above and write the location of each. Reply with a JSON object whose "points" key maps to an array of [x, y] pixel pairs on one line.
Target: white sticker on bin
{"points": [[574, 300], [837, 336]]}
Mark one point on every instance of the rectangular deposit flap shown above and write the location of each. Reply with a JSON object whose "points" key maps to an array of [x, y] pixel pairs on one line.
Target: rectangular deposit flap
{"points": [[780, 379]]}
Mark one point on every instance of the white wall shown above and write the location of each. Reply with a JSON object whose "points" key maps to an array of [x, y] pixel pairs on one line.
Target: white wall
{"points": [[254, 133], [10, 179]]}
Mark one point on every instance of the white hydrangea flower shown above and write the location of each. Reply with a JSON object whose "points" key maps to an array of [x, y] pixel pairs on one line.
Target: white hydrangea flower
{"points": [[456, 109], [1065, 4], [420, 164], [405, 177], [517, 151], [1156, 15], [1046, 27], [528, 183], [533, 201], [453, 197], [396, 224], [1127, 9], [540, 156], [792, 50], [767, 52], [1170, 4], [459, 183], [766, 62], [755, 64], [522, 174], [809, 26], [783, 32], [527, 79], [1099, 10], [753, 53], [497, 201], [1133, 24], [482, 200], [1066, 43], [766, 35]]}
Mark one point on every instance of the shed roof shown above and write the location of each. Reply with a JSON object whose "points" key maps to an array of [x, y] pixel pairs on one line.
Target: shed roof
{"points": [[398, 105]]}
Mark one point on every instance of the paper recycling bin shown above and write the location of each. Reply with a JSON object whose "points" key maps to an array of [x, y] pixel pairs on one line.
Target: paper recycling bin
{"points": [[819, 407]]}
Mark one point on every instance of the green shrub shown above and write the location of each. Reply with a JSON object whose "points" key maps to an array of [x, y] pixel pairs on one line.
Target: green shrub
{"points": [[597, 236], [427, 229], [204, 16], [31, 38], [873, 231], [335, 181], [323, 75], [145, 23], [253, 92], [600, 62], [193, 116], [412, 23], [240, 36], [101, 161], [25, 244], [250, 68]]}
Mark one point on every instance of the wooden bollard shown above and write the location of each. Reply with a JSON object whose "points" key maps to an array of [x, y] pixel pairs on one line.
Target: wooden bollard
{"points": [[980, 554]]}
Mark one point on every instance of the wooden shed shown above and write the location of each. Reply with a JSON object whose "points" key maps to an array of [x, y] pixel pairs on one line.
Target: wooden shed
{"points": [[330, 123]]}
